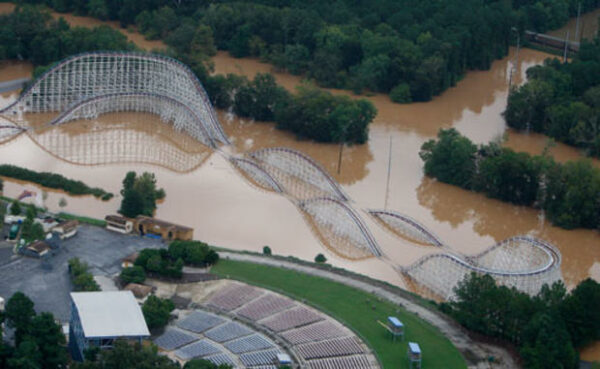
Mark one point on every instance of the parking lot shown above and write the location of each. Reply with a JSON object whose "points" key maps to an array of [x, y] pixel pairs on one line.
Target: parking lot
{"points": [[47, 281]]}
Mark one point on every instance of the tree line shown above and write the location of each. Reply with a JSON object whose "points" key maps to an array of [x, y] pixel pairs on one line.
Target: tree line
{"points": [[562, 100], [30, 33], [547, 328], [569, 193], [411, 49], [53, 180], [309, 113], [169, 262]]}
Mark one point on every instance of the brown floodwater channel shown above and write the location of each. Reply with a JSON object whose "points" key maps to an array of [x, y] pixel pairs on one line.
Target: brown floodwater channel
{"points": [[204, 190]]}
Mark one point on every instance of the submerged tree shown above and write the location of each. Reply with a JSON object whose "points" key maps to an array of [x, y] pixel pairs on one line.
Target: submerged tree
{"points": [[140, 195]]}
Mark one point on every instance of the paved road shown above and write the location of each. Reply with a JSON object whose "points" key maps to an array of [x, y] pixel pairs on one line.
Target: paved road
{"points": [[474, 352]]}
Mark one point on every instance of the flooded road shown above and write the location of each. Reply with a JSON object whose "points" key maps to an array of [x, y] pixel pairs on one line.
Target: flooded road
{"points": [[204, 191]]}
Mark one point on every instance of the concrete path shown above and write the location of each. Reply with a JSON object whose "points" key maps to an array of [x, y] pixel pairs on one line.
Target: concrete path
{"points": [[14, 84], [475, 353]]}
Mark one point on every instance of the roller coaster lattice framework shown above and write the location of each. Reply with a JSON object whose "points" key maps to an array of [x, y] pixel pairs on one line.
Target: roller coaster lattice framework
{"points": [[87, 85]]}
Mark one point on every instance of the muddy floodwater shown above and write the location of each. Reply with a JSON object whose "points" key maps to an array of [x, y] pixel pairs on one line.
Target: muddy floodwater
{"points": [[588, 27], [204, 190]]}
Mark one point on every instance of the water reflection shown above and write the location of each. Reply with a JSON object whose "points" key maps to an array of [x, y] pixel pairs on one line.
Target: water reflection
{"points": [[120, 138]]}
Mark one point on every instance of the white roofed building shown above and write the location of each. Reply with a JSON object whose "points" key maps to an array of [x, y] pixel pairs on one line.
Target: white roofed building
{"points": [[98, 318]]}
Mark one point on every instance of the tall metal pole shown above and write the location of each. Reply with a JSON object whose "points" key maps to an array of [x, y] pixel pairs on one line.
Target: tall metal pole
{"points": [[389, 170], [577, 23], [340, 157], [566, 48]]}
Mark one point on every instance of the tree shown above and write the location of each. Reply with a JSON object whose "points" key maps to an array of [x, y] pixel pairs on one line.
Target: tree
{"points": [[401, 94], [157, 311], [320, 258], [62, 202], [81, 278], [580, 313], [134, 274], [15, 208], [139, 195], [50, 341], [97, 9], [267, 250], [451, 159], [19, 314], [129, 356]]}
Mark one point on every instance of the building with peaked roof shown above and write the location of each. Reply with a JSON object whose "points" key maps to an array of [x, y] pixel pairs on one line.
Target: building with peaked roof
{"points": [[165, 230], [99, 318]]}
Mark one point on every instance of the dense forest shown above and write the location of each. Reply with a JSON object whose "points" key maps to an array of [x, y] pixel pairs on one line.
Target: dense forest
{"points": [[546, 328], [411, 49], [562, 100], [568, 193]]}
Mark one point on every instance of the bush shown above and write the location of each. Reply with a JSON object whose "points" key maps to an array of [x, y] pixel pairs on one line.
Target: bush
{"points": [[267, 250], [81, 278], [157, 311], [134, 274], [320, 258], [193, 253], [15, 208], [401, 94]]}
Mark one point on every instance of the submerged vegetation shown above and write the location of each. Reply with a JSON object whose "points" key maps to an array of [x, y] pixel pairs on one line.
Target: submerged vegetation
{"points": [[567, 192], [52, 180], [562, 100], [140, 195]]}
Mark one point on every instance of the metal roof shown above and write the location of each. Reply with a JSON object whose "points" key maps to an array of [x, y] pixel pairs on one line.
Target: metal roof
{"points": [[395, 322], [110, 314], [414, 348]]}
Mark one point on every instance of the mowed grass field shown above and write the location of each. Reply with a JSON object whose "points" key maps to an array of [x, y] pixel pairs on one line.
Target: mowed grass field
{"points": [[357, 309]]}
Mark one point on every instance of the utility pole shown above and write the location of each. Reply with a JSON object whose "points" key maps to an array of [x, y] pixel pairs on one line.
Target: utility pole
{"points": [[389, 170], [340, 157], [566, 48], [514, 67], [577, 23]]}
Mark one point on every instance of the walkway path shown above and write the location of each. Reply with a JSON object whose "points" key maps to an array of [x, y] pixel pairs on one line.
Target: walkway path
{"points": [[14, 84], [474, 352]]}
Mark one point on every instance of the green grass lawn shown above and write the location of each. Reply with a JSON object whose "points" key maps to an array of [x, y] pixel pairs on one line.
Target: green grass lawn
{"points": [[357, 309]]}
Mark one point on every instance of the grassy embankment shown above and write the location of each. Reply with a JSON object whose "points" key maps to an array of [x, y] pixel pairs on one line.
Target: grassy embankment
{"points": [[357, 309]]}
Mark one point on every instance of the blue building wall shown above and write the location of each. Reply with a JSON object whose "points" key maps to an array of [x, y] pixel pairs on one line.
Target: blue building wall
{"points": [[78, 342]]}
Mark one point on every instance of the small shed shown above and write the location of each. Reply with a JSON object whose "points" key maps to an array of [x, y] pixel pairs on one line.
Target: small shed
{"points": [[283, 359], [414, 355], [119, 224], [395, 327], [37, 249], [66, 229], [165, 230]]}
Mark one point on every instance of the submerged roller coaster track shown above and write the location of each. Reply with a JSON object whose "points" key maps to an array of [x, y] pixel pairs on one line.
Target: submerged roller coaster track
{"points": [[88, 85]]}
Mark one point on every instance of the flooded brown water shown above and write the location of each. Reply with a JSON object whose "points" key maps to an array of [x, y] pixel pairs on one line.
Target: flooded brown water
{"points": [[226, 210], [588, 27]]}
